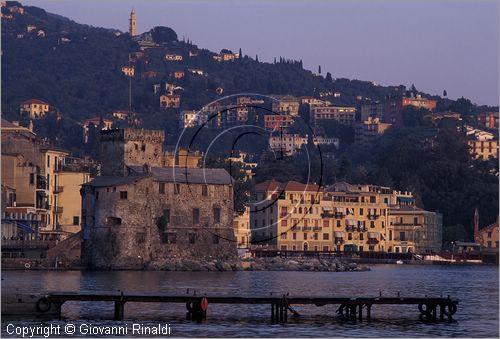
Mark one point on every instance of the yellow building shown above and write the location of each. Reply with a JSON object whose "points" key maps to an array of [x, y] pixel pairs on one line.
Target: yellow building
{"points": [[35, 108], [487, 236], [242, 231], [483, 148], [68, 200], [414, 230], [170, 101], [128, 70]]}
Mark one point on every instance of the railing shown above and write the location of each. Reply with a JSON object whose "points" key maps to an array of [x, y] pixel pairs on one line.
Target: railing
{"points": [[58, 189], [58, 209], [27, 243], [316, 228]]}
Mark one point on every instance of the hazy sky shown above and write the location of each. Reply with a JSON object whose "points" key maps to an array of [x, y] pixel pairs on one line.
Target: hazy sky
{"points": [[435, 44]]}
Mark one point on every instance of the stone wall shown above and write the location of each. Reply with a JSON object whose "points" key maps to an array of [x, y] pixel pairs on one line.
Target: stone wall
{"points": [[124, 233]]}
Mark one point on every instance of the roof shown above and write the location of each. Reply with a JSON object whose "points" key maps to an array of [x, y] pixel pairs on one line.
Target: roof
{"points": [[54, 148], [211, 176], [106, 181], [273, 185], [33, 101]]}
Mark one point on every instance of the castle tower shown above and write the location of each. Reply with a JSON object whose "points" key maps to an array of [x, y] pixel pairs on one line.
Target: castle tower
{"points": [[130, 147], [132, 24]]}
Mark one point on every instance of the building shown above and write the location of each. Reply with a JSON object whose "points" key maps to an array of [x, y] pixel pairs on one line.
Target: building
{"points": [[414, 230], [35, 170], [287, 144], [128, 70], [277, 122], [436, 117], [487, 237], [372, 110], [488, 119], [482, 145], [34, 108], [95, 123], [242, 231], [170, 101], [132, 24], [287, 105], [394, 105], [367, 131], [311, 101], [179, 74], [182, 158], [140, 214], [188, 119], [342, 217], [343, 115], [173, 57], [226, 55]]}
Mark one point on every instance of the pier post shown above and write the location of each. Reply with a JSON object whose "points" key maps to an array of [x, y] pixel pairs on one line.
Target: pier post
{"points": [[441, 312], [368, 312], [272, 312], [360, 312], [119, 310]]}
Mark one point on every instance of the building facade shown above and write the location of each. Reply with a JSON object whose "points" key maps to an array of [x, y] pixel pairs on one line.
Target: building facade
{"points": [[142, 214], [34, 108], [366, 131], [343, 115]]}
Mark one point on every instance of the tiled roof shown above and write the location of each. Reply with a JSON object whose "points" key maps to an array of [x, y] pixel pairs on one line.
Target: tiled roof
{"points": [[107, 181], [273, 185], [211, 176], [34, 101]]}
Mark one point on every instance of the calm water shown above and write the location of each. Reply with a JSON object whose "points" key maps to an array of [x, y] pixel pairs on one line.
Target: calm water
{"points": [[475, 286]]}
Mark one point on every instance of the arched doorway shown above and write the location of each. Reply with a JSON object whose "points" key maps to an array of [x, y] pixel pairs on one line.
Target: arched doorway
{"points": [[305, 247]]}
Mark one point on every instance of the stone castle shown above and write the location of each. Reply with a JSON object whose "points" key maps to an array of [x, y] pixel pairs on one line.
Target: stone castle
{"points": [[141, 214]]}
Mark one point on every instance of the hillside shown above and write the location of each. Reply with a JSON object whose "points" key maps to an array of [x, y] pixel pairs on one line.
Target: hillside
{"points": [[77, 68]]}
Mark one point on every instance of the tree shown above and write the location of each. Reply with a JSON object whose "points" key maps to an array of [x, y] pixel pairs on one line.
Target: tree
{"points": [[444, 93], [240, 55], [319, 69], [161, 34], [413, 89], [329, 77], [256, 58]]}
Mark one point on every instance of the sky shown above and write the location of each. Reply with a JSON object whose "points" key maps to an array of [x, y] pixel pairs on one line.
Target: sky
{"points": [[437, 45]]}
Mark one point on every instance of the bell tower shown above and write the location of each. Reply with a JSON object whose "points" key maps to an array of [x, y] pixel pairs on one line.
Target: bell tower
{"points": [[132, 24]]}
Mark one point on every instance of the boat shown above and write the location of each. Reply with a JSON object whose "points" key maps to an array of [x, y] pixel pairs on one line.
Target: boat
{"points": [[399, 262]]}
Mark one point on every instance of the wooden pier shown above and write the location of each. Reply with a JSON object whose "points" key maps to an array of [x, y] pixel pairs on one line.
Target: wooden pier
{"points": [[430, 309]]}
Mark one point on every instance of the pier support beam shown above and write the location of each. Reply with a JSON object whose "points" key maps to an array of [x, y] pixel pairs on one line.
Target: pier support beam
{"points": [[368, 312], [119, 310]]}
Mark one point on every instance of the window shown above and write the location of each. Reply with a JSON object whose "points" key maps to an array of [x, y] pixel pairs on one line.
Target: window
{"points": [[361, 236], [123, 194], [76, 220], [216, 214], [192, 238], [349, 236], [305, 236], [48, 160], [415, 220], [204, 190], [294, 236], [196, 216], [161, 187], [215, 239], [283, 236], [372, 224], [32, 178], [136, 147], [326, 248], [326, 236], [166, 214], [284, 223], [283, 247], [361, 211], [177, 189], [140, 238], [402, 236], [113, 221], [338, 223], [390, 234], [169, 238], [143, 148]]}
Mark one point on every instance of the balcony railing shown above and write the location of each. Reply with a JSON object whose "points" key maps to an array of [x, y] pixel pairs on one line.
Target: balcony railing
{"points": [[58, 189], [58, 209]]}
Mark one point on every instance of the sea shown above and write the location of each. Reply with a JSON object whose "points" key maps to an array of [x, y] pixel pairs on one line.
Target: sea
{"points": [[476, 288]]}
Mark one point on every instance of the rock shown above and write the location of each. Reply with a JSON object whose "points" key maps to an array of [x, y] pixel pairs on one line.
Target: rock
{"points": [[352, 266]]}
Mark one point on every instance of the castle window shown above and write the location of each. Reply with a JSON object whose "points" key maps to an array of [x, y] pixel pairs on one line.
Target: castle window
{"points": [[140, 238], [113, 221], [123, 195], [204, 190], [76, 220], [216, 215], [136, 147], [32, 178], [143, 148], [177, 189], [192, 238], [161, 187], [215, 239], [196, 216], [169, 238]]}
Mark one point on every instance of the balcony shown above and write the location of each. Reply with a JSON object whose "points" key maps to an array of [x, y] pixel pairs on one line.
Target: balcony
{"points": [[306, 228], [316, 228], [373, 216], [327, 215], [58, 209], [58, 189]]}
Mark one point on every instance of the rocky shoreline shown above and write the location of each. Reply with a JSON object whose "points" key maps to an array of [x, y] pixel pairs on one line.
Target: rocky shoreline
{"points": [[261, 264]]}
